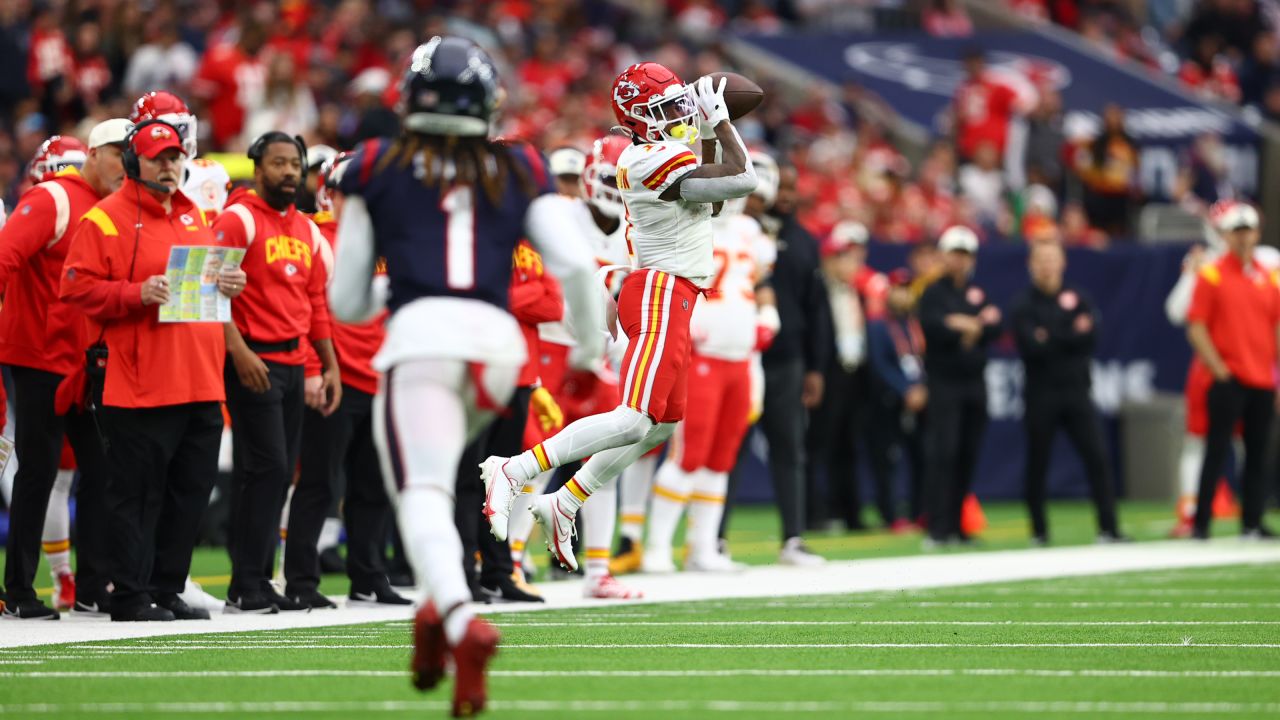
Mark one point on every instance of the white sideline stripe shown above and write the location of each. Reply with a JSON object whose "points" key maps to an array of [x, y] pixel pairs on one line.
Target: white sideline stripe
{"points": [[854, 623], [746, 672], [894, 574], [1199, 708], [700, 646]]}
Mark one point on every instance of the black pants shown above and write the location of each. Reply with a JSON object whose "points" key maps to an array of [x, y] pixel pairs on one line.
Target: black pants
{"points": [[783, 422], [163, 465], [266, 433], [953, 437], [1047, 410], [332, 446], [892, 434], [835, 428], [38, 433], [503, 437], [1231, 402]]}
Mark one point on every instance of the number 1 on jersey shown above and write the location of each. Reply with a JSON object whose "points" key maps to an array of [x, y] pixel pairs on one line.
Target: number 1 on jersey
{"points": [[459, 238]]}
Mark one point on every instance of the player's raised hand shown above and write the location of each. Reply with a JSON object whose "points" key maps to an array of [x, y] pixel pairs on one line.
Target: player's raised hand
{"points": [[711, 105]]}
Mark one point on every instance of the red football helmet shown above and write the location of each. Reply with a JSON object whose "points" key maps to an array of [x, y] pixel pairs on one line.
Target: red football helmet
{"points": [[600, 176], [164, 105], [652, 102], [330, 175], [56, 153]]}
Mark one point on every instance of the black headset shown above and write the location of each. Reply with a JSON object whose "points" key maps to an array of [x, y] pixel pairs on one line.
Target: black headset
{"points": [[132, 165], [259, 148]]}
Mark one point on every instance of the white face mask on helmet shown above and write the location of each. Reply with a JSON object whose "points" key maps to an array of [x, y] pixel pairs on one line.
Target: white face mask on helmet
{"points": [[600, 188]]}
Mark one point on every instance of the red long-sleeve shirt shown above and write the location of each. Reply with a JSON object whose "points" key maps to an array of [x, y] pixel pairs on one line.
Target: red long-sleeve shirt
{"points": [[535, 297], [355, 344], [38, 330], [287, 261], [121, 242]]}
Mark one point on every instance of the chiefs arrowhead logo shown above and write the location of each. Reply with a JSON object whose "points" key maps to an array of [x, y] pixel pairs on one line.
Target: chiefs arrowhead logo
{"points": [[161, 132], [625, 91]]}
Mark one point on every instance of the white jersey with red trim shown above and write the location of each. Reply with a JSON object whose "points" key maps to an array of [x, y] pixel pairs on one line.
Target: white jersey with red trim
{"points": [[724, 324], [671, 236], [609, 249]]}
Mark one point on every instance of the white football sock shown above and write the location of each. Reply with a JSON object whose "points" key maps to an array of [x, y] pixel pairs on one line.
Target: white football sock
{"points": [[1189, 466], [521, 523], [330, 533], [671, 489], [634, 493], [618, 428], [599, 519], [607, 465], [56, 538], [706, 507]]}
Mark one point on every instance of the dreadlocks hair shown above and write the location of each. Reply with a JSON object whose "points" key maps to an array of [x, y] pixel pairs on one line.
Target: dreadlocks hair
{"points": [[471, 161]]}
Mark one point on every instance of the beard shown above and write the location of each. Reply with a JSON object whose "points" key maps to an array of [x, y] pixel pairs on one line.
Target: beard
{"points": [[278, 196]]}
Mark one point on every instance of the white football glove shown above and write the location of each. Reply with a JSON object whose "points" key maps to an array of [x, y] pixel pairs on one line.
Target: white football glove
{"points": [[711, 106]]}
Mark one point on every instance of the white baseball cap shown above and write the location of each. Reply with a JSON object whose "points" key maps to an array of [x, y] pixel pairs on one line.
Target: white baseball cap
{"points": [[958, 237], [110, 132], [1239, 215], [567, 161]]}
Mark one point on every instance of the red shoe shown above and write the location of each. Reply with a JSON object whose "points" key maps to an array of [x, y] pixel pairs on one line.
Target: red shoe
{"points": [[64, 591], [470, 658], [902, 526], [429, 648]]}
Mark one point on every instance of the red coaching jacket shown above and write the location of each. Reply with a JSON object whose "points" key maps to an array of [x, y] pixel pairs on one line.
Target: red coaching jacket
{"points": [[121, 242], [287, 262], [37, 330], [535, 297], [355, 344]]}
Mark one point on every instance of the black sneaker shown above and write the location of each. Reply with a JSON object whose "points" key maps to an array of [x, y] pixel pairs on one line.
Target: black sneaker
{"points": [[402, 579], [283, 603], [1200, 533], [506, 590], [383, 595], [92, 606], [250, 604], [142, 613], [180, 610], [1262, 532], [29, 610], [331, 562], [313, 600]]}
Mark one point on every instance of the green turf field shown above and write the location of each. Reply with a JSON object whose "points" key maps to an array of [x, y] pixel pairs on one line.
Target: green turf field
{"points": [[1189, 643], [754, 538]]}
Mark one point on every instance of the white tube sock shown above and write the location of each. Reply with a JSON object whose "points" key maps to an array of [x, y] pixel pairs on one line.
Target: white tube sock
{"points": [[706, 507], [599, 518], [633, 490], [671, 489]]}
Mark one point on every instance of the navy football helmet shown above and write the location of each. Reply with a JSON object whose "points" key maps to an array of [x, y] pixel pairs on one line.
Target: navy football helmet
{"points": [[450, 88]]}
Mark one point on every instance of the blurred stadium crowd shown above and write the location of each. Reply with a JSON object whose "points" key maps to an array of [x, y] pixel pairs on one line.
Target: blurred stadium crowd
{"points": [[324, 70]]}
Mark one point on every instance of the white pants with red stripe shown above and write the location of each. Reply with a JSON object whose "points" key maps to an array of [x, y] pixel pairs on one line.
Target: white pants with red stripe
{"points": [[425, 413]]}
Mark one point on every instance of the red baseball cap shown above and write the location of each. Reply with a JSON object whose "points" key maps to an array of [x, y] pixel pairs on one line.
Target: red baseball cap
{"points": [[155, 138]]}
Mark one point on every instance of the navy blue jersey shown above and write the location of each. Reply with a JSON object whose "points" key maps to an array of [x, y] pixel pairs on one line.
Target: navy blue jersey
{"points": [[442, 241]]}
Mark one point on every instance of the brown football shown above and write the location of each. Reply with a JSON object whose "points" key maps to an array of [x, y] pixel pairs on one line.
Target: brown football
{"points": [[741, 94]]}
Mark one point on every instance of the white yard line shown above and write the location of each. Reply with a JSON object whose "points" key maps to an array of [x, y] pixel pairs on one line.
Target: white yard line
{"points": [[881, 574], [240, 647], [652, 705], [745, 672]]}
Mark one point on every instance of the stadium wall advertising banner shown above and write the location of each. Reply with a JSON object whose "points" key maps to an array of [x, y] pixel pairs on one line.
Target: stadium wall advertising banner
{"points": [[1138, 354], [917, 76]]}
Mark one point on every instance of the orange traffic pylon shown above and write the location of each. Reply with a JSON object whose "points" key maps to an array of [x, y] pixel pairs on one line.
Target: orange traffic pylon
{"points": [[972, 520]]}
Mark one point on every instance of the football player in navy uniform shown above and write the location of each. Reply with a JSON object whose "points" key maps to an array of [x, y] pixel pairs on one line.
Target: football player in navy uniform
{"points": [[445, 206]]}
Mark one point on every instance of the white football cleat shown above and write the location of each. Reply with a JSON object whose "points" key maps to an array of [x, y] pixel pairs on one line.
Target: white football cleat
{"points": [[657, 562], [712, 562], [795, 552], [606, 587], [557, 527], [499, 491], [196, 597]]}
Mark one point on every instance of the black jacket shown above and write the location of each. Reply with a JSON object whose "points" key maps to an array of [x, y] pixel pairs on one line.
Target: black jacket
{"points": [[806, 332], [945, 358], [1053, 353]]}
